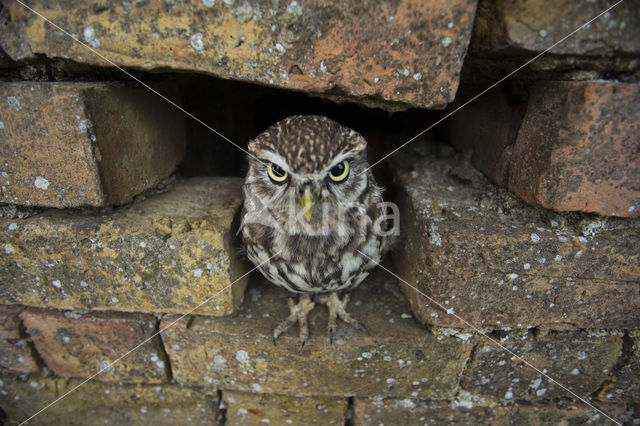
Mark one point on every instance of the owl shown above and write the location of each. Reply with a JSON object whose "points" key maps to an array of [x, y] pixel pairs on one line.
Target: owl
{"points": [[313, 220]]}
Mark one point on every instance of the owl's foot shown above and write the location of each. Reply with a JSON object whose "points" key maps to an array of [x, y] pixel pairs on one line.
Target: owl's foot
{"points": [[298, 314], [338, 309]]}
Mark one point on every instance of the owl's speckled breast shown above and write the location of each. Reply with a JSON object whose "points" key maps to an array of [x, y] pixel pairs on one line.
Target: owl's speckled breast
{"points": [[316, 264]]}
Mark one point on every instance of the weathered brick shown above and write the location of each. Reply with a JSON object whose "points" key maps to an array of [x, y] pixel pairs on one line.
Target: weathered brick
{"points": [[496, 262], [97, 403], [406, 411], [400, 357], [410, 51], [570, 151], [505, 26], [168, 253], [507, 34], [16, 354], [574, 150], [575, 360], [258, 409], [80, 345], [84, 144]]}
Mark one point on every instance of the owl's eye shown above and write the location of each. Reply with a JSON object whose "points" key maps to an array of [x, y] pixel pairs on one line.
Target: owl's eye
{"points": [[339, 172], [276, 173]]}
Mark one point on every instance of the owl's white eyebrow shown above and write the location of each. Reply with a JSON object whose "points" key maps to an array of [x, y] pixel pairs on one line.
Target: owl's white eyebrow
{"points": [[337, 160], [266, 156]]}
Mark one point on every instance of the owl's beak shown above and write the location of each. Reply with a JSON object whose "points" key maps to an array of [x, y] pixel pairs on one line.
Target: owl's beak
{"points": [[307, 201]]}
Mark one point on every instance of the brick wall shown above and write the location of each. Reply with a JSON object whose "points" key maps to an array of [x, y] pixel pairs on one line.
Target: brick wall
{"points": [[125, 296]]}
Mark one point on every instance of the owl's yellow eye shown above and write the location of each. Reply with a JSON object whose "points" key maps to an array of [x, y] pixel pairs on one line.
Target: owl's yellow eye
{"points": [[339, 172], [276, 173]]}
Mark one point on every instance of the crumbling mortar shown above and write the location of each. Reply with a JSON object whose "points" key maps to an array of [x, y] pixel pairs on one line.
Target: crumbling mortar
{"points": [[466, 369], [222, 408], [623, 359], [22, 330], [348, 417], [162, 351]]}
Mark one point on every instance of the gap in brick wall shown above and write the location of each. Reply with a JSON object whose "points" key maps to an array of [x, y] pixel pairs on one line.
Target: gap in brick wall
{"points": [[240, 111]]}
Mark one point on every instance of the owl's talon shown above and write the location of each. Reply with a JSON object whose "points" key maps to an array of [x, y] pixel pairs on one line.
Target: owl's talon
{"points": [[364, 328], [299, 312], [337, 309]]}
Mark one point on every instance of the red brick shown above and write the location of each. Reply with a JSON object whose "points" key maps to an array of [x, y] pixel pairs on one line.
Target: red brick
{"points": [[573, 149], [84, 144], [16, 354], [505, 26], [576, 148], [405, 52], [491, 259], [79, 345], [507, 34]]}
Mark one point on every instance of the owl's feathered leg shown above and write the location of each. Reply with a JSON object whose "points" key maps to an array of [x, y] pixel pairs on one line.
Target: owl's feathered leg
{"points": [[338, 309], [299, 312]]}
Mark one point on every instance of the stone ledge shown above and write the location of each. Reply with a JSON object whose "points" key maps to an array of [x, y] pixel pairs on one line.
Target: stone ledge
{"points": [[498, 263], [400, 358], [167, 253], [408, 52], [84, 144]]}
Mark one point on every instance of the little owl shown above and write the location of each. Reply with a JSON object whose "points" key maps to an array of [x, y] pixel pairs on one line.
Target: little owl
{"points": [[313, 220]]}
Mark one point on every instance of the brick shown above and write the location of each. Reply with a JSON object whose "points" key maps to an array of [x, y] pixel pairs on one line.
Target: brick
{"points": [[570, 151], [256, 409], [573, 151], [84, 144], [16, 353], [168, 253], [409, 52], [406, 411], [497, 262], [504, 26], [399, 358], [80, 345], [507, 34], [577, 360], [96, 403]]}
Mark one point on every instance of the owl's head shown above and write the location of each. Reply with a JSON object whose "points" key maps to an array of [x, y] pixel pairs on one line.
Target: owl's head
{"points": [[311, 163]]}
